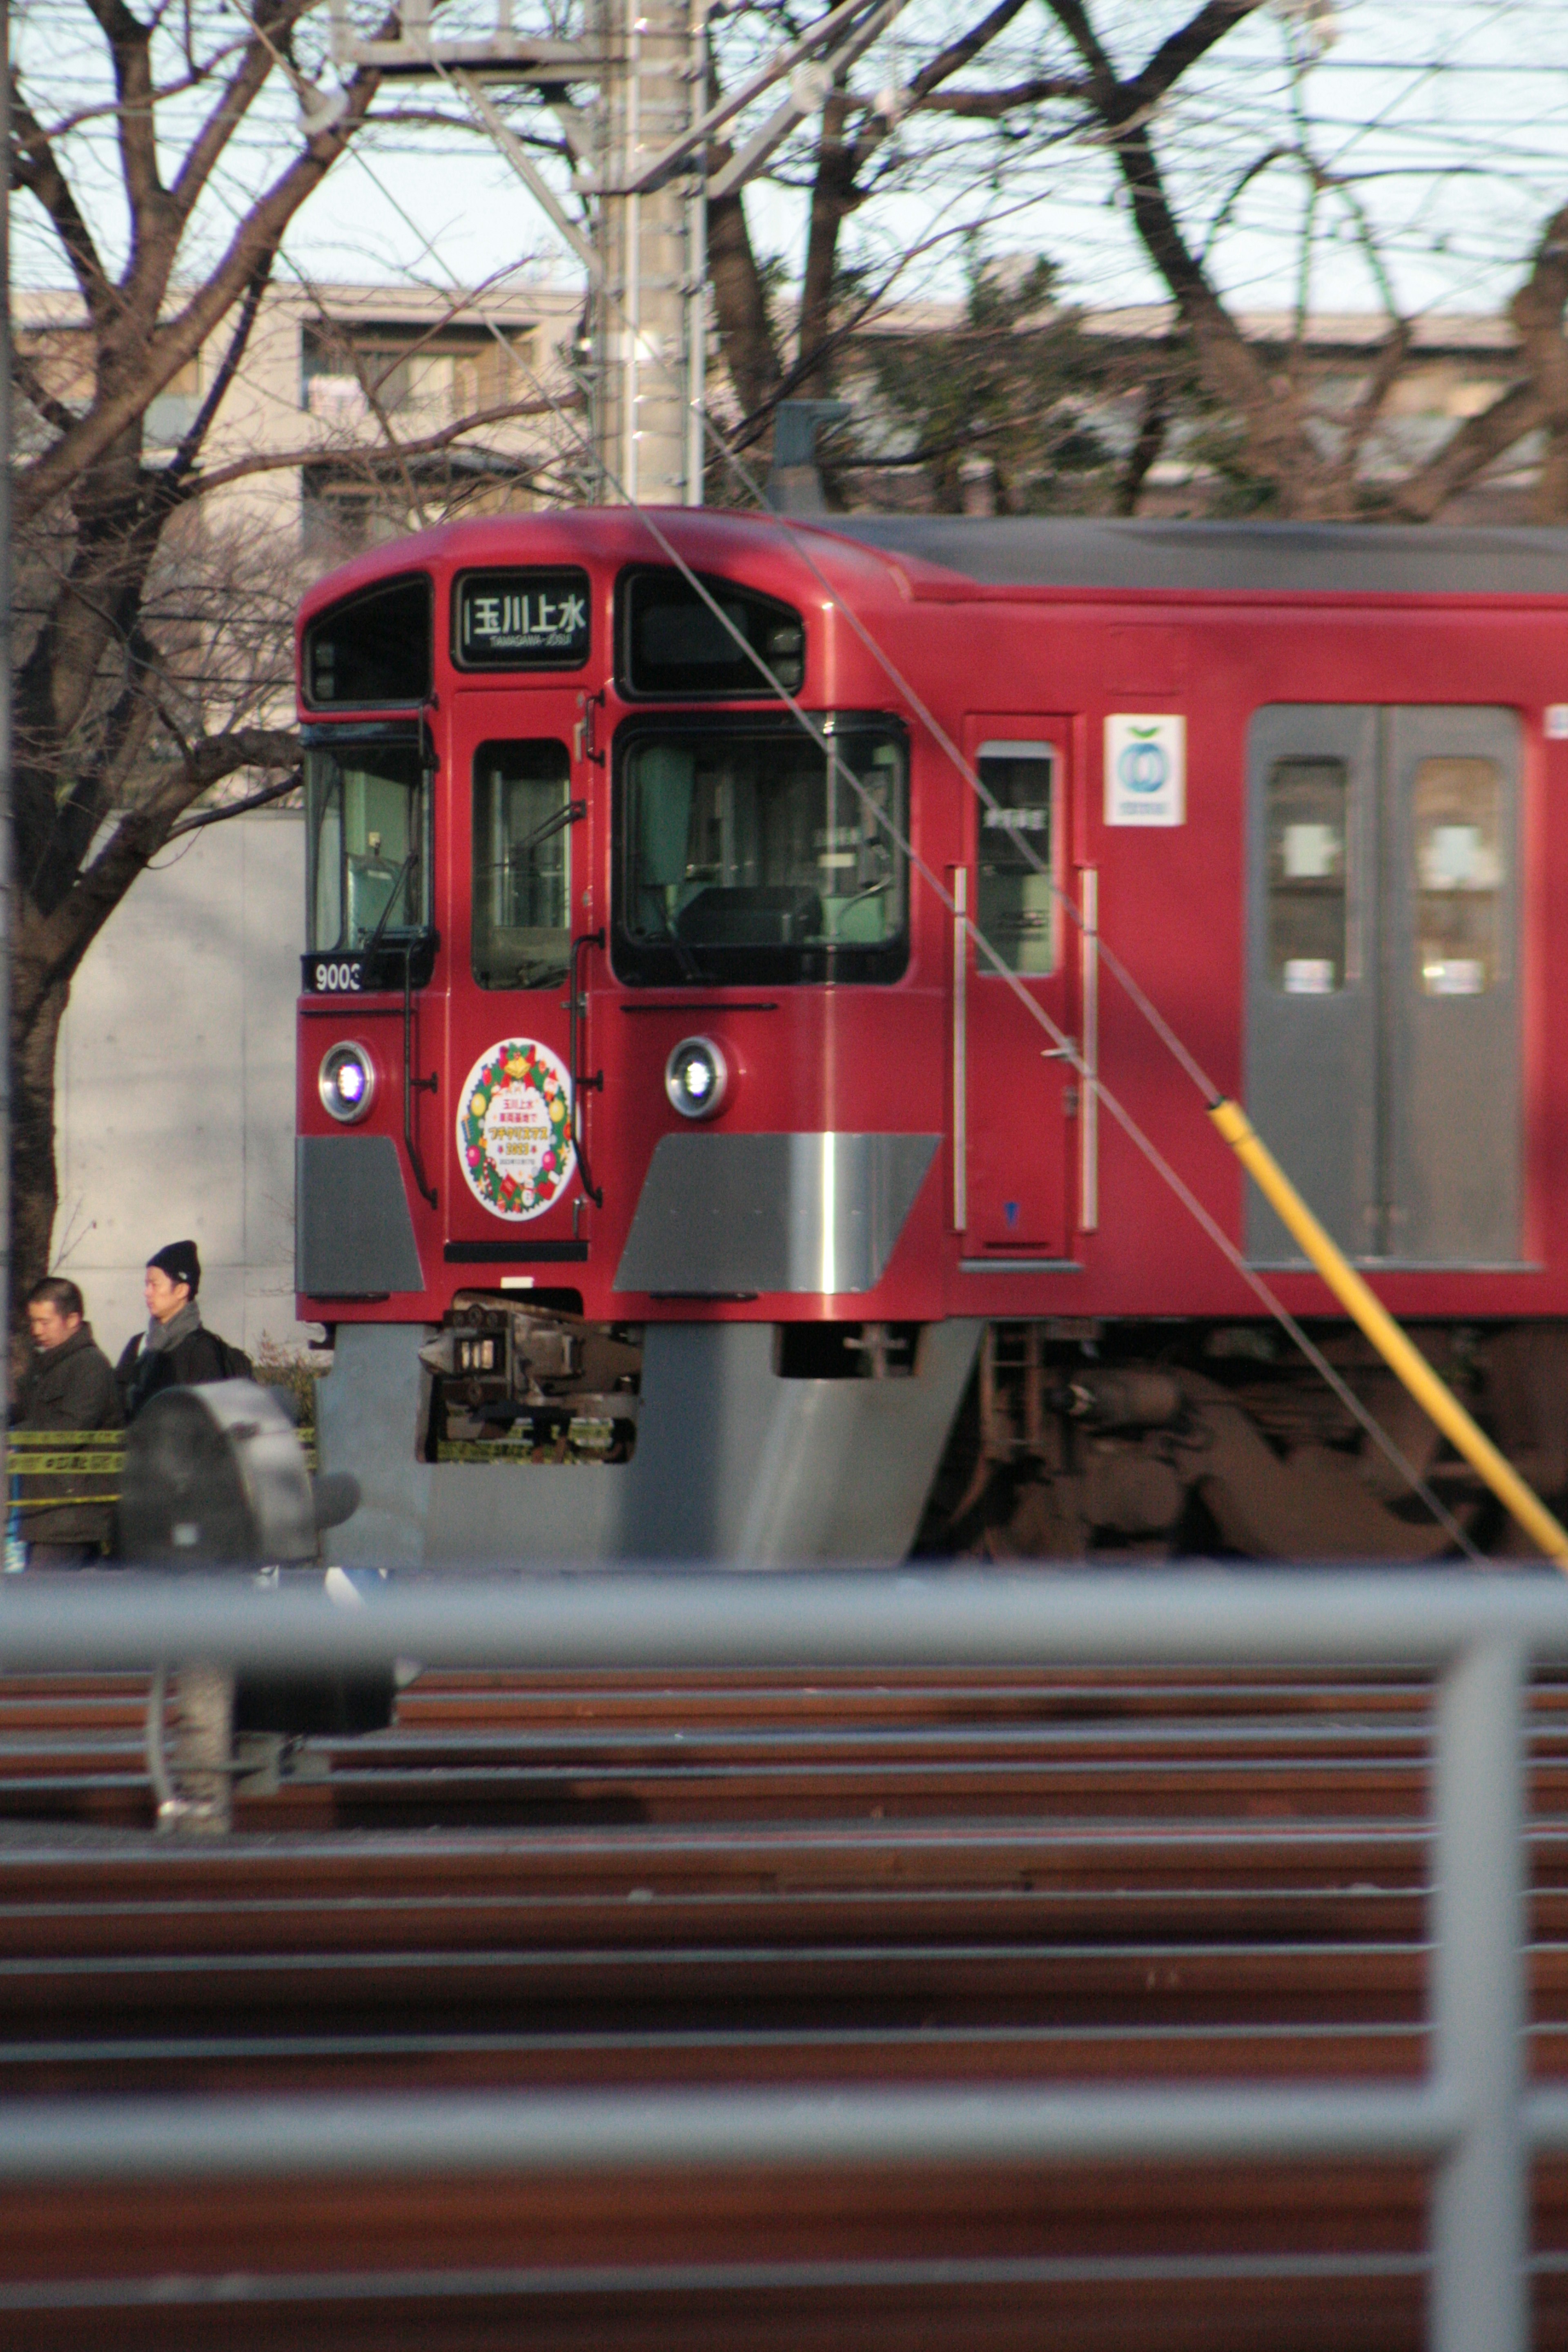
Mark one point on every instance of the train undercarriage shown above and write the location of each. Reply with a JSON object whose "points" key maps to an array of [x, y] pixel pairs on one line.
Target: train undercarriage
{"points": [[531, 1434], [1078, 1441]]}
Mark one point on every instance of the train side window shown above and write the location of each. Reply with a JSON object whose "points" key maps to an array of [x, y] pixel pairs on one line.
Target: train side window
{"points": [[1308, 814], [1016, 906], [372, 648], [367, 807], [1457, 808], [522, 817]]}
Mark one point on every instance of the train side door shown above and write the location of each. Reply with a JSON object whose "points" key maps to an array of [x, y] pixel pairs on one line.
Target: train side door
{"points": [[1011, 1085], [1313, 995], [1383, 1060], [519, 843], [1454, 1149]]}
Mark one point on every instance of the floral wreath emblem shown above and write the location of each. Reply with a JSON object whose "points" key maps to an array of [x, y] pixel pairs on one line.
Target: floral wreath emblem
{"points": [[514, 1128]]}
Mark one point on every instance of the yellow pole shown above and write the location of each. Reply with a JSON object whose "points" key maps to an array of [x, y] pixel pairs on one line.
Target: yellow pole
{"points": [[1431, 1395]]}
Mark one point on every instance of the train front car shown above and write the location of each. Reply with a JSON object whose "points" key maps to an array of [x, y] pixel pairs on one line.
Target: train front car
{"points": [[623, 1058]]}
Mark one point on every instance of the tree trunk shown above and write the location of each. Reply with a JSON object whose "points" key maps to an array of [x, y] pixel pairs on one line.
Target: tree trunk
{"points": [[741, 308], [38, 1000], [1538, 309], [1152, 426], [832, 195]]}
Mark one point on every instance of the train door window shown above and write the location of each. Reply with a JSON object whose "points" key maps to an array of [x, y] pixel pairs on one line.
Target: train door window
{"points": [[1012, 1109], [1457, 814], [521, 905], [368, 820], [1308, 856], [1016, 908]]}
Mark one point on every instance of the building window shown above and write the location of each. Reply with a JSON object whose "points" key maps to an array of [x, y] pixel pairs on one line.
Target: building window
{"points": [[352, 375]]}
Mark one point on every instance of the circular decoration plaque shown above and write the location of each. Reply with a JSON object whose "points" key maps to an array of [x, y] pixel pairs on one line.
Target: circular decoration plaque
{"points": [[514, 1128]]}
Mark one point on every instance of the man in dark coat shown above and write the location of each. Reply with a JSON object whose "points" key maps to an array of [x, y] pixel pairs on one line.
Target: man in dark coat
{"points": [[175, 1351], [68, 1386]]}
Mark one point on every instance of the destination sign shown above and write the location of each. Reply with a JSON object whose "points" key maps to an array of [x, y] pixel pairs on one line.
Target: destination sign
{"points": [[532, 619]]}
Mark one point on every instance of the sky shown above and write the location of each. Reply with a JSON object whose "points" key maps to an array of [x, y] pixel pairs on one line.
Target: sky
{"points": [[1386, 152]]}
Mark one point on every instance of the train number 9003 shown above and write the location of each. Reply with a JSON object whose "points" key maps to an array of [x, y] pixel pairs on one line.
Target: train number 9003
{"points": [[337, 978]]}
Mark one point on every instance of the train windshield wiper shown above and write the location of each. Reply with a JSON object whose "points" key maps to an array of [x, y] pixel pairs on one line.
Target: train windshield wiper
{"points": [[374, 941]]}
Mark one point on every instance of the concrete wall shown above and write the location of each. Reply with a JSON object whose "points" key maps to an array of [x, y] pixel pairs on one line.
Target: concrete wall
{"points": [[174, 1102]]}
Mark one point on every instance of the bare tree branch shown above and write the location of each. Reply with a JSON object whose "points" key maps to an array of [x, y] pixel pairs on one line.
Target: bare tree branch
{"points": [[113, 412], [220, 816], [64, 937], [1015, 98], [33, 166], [1280, 447], [29, 383]]}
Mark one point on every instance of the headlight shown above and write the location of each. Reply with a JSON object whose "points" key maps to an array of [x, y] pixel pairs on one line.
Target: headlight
{"points": [[347, 1083], [696, 1078]]}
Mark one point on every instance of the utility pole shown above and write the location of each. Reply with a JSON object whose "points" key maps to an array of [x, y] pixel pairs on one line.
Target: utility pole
{"points": [[649, 309], [639, 148], [643, 242]]}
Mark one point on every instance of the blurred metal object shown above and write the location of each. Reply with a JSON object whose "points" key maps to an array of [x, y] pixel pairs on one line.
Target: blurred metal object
{"points": [[793, 485], [204, 1750], [215, 1476]]}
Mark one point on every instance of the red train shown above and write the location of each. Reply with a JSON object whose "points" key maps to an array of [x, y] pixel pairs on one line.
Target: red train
{"points": [[683, 1176]]}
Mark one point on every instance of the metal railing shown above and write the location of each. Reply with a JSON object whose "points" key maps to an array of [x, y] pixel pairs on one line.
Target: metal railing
{"points": [[1473, 2118]]}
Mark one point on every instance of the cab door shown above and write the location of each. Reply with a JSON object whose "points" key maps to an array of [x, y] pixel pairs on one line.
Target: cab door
{"points": [[519, 795], [1012, 1087]]}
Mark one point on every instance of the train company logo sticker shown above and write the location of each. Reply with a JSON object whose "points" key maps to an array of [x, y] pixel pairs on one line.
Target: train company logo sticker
{"points": [[1146, 769], [514, 1128]]}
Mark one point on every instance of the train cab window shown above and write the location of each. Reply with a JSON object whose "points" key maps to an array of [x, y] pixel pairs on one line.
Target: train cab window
{"points": [[373, 649], [367, 808], [523, 817], [1306, 804], [1017, 904], [744, 855], [1459, 875], [672, 642]]}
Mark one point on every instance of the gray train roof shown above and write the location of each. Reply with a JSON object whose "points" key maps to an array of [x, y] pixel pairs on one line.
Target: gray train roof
{"points": [[1051, 551]]}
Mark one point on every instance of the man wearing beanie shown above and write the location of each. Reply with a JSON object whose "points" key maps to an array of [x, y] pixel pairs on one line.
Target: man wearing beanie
{"points": [[175, 1351]]}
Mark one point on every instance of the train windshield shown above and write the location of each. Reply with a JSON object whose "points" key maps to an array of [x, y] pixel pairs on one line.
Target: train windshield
{"points": [[367, 803], [746, 855]]}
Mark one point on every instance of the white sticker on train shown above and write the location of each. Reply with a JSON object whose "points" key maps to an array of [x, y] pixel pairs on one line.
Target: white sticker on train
{"points": [[1145, 768]]}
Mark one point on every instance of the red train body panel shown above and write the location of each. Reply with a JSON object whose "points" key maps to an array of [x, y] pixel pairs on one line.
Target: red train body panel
{"points": [[1377, 768]]}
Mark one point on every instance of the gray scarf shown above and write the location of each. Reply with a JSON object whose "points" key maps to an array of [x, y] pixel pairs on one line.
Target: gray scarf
{"points": [[162, 1336]]}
